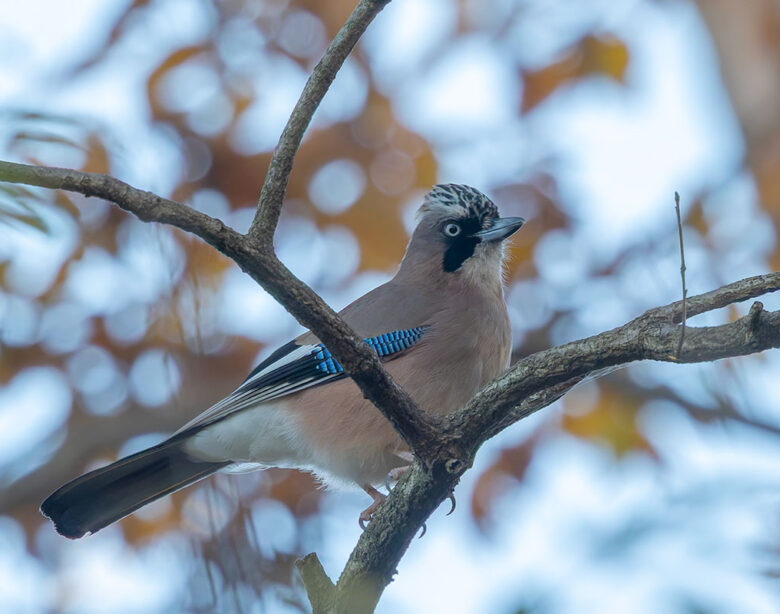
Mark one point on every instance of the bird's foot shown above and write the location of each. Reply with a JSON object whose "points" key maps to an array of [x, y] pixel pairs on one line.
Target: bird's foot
{"points": [[368, 513]]}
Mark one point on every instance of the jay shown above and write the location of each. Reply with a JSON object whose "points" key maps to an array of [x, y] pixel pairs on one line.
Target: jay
{"points": [[441, 327]]}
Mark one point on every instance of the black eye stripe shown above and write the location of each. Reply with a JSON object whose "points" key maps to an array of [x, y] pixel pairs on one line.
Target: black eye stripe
{"points": [[458, 252], [462, 246]]}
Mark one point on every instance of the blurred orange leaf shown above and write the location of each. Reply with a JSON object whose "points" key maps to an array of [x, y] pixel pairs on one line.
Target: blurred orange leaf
{"points": [[696, 218], [603, 55], [177, 58], [65, 202], [612, 423], [510, 467], [97, 156]]}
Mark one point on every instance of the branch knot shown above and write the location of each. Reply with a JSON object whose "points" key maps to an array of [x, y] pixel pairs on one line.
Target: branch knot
{"points": [[453, 465]]}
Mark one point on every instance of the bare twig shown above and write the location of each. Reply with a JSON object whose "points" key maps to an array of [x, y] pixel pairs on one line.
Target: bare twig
{"points": [[737, 292], [682, 276], [275, 185]]}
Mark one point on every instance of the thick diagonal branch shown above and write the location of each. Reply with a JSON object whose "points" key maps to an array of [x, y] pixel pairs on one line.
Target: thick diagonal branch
{"points": [[254, 252]]}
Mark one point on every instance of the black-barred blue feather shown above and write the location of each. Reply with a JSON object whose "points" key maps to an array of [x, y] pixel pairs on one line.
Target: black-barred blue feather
{"points": [[293, 368], [385, 345]]}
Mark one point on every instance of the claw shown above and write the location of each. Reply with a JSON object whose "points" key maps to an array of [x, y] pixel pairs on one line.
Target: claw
{"points": [[368, 513], [453, 502], [424, 531]]}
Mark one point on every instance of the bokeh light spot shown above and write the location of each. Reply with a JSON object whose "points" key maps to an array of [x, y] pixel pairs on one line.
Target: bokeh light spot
{"points": [[337, 185], [302, 34], [392, 172], [154, 378]]}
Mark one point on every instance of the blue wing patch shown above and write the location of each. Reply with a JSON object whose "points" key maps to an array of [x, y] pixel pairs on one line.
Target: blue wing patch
{"points": [[293, 368], [309, 365], [385, 345]]}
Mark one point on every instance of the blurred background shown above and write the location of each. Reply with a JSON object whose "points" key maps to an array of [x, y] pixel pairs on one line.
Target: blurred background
{"points": [[655, 489]]}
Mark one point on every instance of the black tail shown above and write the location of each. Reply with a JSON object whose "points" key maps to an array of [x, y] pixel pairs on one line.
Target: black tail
{"points": [[100, 497]]}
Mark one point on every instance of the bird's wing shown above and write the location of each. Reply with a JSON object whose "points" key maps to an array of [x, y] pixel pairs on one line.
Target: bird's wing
{"points": [[295, 367]]}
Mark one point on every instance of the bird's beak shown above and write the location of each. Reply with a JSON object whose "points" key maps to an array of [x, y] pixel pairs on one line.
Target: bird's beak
{"points": [[502, 228]]}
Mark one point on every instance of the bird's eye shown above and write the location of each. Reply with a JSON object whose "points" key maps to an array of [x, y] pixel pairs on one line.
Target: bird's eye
{"points": [[452, 230]]}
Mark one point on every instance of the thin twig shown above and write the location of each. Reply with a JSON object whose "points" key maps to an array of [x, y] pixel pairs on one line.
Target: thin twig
{"points": [[275, 186], [682, 276]]}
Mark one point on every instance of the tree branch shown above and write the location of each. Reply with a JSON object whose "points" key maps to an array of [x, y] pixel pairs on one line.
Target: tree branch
{"points": [[275, 185], [533, 383], [254, 252], [146, 206], [737, 292], [363, 364], [260, 263], [653, 335]]}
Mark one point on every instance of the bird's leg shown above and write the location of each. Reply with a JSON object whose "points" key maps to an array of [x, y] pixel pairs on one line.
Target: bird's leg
{"points": [[405, 455], [396, 472], [394, 475], [367, 513]]}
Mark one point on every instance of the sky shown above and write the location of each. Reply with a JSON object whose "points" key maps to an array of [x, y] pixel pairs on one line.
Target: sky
{"points": [[623, 157]]}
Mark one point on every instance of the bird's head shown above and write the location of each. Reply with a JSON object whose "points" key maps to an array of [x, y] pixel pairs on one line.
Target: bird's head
{"points": [[460, 233]]}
